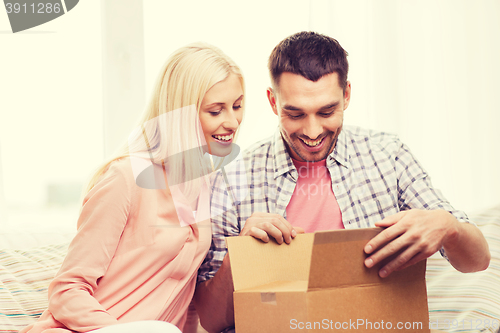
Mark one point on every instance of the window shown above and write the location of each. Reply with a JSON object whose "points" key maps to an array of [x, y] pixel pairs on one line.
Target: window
{"points": [[51, 135]]}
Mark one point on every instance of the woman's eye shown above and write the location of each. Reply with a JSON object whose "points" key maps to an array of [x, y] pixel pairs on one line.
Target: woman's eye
{"points": [[215, 113], [236, 107]]}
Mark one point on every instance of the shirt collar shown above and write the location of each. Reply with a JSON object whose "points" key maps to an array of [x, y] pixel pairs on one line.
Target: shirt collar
{"points": [[340, 153], [283, 162]]}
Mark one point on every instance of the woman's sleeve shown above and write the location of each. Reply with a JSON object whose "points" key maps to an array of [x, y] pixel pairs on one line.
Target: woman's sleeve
{"points": [[100, 226]]}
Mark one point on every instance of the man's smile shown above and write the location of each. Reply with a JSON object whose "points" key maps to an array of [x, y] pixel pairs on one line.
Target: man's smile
{"points": [[311, 143]]}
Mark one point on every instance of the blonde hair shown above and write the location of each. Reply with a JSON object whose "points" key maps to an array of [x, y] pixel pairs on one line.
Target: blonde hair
{"points": [[181, 85]]}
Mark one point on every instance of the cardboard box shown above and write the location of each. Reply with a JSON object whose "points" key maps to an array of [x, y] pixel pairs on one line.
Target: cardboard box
{"points": [[319, 282]]}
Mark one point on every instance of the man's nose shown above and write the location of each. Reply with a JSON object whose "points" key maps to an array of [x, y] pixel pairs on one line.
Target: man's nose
{"points": [[313, 128]]}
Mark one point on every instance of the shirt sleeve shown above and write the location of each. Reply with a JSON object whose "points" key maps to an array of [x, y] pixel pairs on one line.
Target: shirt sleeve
{"points": [[415, 190], [102, 220], [224, 218], [229, 189]]}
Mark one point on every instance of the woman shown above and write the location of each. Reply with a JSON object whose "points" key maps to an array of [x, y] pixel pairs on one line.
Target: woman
{"points": [[144, 229]]}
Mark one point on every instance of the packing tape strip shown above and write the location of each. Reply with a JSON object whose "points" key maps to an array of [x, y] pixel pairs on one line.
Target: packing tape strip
{"points": [[269, 298]]}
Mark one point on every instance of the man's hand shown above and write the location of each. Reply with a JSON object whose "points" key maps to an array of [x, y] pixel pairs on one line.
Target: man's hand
{"points": [[263, 225], [418, 234], [214, 298]]}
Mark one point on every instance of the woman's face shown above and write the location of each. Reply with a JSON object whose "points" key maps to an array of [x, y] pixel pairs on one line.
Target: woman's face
{"points": [[221, 113]]}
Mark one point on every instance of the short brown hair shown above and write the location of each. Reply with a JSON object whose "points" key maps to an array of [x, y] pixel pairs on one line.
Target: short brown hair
{"points": [[309, 54]]}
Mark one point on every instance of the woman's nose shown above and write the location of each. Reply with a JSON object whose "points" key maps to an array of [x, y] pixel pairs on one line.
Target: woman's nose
{"points": [[231, 122]]}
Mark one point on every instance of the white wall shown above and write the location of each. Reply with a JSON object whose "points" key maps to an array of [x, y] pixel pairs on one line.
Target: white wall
{"points": [[247, 31], [122, 69], [426, 70], [50, 104]]}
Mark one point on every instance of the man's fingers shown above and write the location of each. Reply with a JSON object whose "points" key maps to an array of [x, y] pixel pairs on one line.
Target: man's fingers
{"points": [[259, 234], [414, 260], [299, 230], [384, 237], [389, 249], [269, 229], [397, 263], [268, 216], [272, 225], [414, 235], [390, 220], [265, 230], [264, 219], [286, 228], [277, 232], [282, 228]]}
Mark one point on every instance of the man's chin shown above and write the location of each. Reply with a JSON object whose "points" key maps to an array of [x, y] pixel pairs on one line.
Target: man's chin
{"points": [[314, 158], [311, 157], [308, 156]]}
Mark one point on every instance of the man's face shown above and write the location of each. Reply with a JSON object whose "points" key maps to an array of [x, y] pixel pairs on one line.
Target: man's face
{"points": [[310, 114]]}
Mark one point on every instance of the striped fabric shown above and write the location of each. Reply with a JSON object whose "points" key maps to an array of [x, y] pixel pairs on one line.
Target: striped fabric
{"points": [[457, 302], [467, 302], [24, 279]]}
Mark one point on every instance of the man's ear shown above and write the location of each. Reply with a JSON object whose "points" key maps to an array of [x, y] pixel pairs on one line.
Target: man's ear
{"points": [[347, 94], [272, 100]]}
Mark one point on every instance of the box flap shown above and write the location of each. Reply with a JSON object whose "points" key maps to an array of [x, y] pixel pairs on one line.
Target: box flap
{"points": [[277, 286], [338, 260], [255, 263]]}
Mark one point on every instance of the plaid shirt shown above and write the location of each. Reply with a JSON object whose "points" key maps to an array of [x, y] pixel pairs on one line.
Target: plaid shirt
{"points": [[373, 175]]}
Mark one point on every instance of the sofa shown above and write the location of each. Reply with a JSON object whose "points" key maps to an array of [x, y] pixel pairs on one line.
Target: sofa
{"points": [[457, 302]]}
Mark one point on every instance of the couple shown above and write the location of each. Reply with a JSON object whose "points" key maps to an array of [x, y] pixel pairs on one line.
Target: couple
{"points": [[141, 239]]}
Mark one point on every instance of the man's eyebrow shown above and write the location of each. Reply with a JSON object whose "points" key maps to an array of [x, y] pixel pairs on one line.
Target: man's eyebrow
{"points": [[289, 107], [329, 106]]}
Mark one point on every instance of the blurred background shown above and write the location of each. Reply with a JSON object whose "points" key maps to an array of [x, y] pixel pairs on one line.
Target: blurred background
{"points": [[72, 89]]}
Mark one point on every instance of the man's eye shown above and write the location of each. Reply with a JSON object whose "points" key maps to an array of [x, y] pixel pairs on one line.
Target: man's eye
{"points": [[326, 114], [297, 116]]}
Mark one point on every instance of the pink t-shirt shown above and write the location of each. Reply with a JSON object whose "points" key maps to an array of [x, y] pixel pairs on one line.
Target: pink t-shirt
{"points": [[313, 206]]}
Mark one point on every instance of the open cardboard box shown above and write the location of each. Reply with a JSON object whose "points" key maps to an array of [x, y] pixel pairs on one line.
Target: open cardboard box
{"points": [[319, 282]]}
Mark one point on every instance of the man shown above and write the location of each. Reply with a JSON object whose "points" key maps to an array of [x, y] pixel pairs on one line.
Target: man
{"points": [[372, 180]]}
